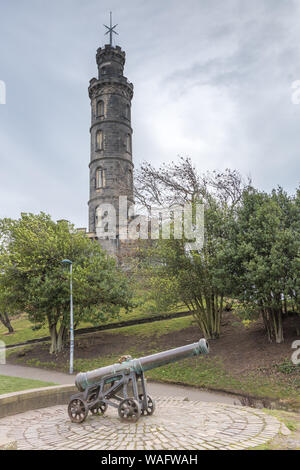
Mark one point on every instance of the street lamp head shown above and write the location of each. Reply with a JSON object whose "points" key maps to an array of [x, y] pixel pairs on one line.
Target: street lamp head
{"points": [[66, 261]]}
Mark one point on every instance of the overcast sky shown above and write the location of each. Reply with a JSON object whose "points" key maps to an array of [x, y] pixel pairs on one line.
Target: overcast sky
{"points": [[212, 81]]}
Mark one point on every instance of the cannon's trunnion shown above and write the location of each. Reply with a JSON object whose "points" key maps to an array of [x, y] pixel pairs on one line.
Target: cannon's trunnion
{"points": [[123, 385]]}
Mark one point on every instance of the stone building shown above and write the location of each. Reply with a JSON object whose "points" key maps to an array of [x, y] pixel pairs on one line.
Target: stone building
{"points": [[111, 166]]}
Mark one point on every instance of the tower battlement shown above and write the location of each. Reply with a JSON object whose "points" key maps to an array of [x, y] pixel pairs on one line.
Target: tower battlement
{"points": [[111, 50], [110, 61]]}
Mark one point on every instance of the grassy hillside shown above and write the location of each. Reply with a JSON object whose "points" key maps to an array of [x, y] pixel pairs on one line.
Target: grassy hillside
{"points": [[241, 361], [26, 330]]}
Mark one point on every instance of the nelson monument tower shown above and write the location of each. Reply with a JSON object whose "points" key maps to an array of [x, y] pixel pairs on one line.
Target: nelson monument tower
{"points": [[111, 166]]}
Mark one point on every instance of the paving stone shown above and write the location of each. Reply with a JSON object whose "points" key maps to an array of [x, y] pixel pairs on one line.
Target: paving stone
{"points": [[176, 424]]}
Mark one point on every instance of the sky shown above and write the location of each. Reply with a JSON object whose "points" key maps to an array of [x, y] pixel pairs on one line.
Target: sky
{"points": [[213, 81]]}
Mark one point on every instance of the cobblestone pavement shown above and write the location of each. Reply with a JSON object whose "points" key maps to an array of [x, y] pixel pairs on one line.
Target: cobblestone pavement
{"points": [[176, 424]]}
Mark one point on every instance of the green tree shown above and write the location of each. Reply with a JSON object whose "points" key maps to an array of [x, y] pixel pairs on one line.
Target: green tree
{"points": [[190, 277], [31, 253], [262, 257], [10, 299]]}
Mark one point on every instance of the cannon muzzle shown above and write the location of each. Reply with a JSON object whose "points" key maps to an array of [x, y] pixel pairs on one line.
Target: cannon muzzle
{"points": [[86, 379]]}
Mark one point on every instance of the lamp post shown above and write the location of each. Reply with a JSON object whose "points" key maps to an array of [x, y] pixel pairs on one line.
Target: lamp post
{"points": [[67, 261]]}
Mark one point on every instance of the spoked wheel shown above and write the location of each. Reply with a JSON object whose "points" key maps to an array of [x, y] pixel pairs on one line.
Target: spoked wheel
{"points": [[149, 410], [129, 410], [77, 410], [99, 409]]}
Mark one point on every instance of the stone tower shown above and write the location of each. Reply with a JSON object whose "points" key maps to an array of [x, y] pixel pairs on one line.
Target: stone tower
{"points": [[111, 167]]}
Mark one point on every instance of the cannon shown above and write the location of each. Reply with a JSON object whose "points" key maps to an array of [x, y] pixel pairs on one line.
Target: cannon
{"points": [[123, 385]]}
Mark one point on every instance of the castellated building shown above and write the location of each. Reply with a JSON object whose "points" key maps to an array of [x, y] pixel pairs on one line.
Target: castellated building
{"points": [[111, 166]]}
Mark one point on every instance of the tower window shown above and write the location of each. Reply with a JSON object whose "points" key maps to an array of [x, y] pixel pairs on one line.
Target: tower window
{"points": [[99, 140], [100, 178], [127, 112], [100, 108], [128, 143], [129, 177]]}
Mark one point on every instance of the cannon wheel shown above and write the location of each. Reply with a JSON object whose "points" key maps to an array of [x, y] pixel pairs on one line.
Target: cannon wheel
{"points": [[129, 410], [150, 405], [99, 409], [77, 410]]}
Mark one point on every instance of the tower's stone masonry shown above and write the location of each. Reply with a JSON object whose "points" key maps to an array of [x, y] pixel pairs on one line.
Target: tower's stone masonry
{"points": [[111, 167]]}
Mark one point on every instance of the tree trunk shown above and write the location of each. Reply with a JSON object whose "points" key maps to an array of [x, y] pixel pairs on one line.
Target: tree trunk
{"points": [[61, 338], [278, 329], [266, 320], [6, 322], [273, 325], [53, 336], [208, 318]]}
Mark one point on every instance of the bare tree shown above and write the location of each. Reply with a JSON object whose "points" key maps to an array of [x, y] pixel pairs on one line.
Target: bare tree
{"points": [[178, 183]]}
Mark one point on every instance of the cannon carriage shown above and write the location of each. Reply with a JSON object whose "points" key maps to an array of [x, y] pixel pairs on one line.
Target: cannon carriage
{"points": [[123, 385]]}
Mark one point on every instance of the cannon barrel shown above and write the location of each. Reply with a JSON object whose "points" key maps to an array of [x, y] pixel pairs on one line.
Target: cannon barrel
{"points": [[85, 379]]}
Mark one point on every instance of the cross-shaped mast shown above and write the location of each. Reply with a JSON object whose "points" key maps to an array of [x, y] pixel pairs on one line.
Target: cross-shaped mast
{"points": [[111, 30]]}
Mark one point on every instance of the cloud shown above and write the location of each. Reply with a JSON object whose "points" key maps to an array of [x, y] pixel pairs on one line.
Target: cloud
{"points": [[212, 81]]}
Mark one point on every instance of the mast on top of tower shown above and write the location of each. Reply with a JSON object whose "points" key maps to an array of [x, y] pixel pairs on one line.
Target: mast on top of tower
{"points": [[111, 30]]}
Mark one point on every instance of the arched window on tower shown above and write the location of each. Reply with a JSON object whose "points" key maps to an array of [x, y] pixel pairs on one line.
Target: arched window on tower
{"points": [[99, 140], [129, 177], [100, 109], [128, 143], [127, 112], [100, 178]]}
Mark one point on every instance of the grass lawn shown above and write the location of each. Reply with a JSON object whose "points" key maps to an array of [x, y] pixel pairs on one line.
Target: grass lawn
{"points": [[25, 330], [16, 384]]}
